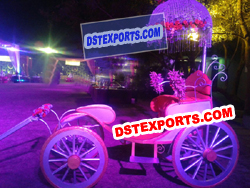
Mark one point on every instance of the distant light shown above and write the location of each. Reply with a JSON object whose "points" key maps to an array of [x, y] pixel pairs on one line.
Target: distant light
{"points": [[5, 58], [48, 50], [72, 63], [12, 49]]}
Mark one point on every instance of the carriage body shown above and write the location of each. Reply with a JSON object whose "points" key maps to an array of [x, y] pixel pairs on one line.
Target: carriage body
{"points": [[193, 150], [202, 146], [75, 155]]}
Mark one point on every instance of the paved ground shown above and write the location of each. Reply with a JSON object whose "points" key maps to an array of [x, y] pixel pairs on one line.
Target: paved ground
{"points": [[20, 153]]}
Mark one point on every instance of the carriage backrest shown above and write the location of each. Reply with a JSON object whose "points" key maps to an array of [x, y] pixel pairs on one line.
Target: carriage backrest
{"points": [[102, 113], [199, 82]]}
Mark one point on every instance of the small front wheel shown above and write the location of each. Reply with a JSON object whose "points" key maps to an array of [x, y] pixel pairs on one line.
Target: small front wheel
{"points": [[205, 156], [80, 162]]}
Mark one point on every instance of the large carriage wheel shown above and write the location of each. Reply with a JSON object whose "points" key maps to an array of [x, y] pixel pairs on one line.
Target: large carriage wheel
{"points": [[74, 165], [212, 157], [85, 122]]}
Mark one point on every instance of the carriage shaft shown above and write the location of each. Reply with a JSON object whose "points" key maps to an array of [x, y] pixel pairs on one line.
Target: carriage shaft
{"points": [[18, 126]]}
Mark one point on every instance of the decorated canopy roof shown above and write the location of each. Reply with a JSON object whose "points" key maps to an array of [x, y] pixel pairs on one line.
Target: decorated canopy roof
{"points": [[185, 21]]}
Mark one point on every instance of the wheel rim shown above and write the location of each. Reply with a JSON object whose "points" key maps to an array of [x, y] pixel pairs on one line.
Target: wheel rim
{"points": [[211, 158], [85, 122], [74, 164]]}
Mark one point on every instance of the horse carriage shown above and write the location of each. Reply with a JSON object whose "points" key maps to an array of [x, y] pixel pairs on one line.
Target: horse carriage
{"points": [[75, 154]]}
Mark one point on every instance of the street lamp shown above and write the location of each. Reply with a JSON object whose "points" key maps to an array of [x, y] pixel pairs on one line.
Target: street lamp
{"points": [[48, 50]]}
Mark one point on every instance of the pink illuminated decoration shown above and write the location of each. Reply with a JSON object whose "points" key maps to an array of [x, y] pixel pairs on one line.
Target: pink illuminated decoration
{"points": [[14, 53], [188, 26], [181, 16]]}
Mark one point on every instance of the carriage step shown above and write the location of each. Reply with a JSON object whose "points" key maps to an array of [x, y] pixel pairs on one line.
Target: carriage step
{"points": [[137, 159]]}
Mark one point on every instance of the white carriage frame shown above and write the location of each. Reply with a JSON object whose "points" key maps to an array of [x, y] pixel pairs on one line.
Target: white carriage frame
{"points": [[99, 113]]}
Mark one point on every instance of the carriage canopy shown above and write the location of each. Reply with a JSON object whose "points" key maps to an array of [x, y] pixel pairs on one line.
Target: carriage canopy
{"points": [[188, 24]]}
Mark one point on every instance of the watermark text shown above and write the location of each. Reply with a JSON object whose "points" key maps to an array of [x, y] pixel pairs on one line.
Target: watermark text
{"points": [[171, 122]]}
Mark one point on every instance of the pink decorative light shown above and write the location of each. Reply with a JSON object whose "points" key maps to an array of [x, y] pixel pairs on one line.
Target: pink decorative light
{"points": [[182, 19]]}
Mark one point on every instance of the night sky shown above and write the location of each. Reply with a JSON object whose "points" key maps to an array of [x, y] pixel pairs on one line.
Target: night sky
{"points": [[21, 22]]}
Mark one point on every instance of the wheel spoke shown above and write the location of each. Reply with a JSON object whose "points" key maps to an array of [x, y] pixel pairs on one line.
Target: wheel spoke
{"points": [[91, 126], [57, 160], [197, 169], [225, 157], [86, 152], [212, 169], [205, 172], [66, 146], [215, 136], [223, 148], [191, 149], [194, 142], [185, 145], [207, 134], [190, 156], [190, 166], [88, 166], [74, 144], [90, 159], [65, 174], [84, 163], [60, 153], [79, 149], [221, 140], [218, 164], [74, 172], [84, 175], [60, 168], [199, 134]]}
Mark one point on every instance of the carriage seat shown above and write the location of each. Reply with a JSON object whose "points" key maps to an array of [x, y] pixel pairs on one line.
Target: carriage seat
{"points": [[203, 92], [160, 103], [100, 112]]}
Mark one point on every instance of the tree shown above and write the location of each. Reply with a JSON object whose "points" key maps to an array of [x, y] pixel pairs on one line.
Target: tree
{"points": [[231, 19]]}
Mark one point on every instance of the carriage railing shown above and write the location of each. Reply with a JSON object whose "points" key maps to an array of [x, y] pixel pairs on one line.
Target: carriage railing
{"points": [[201, 82], [219, 67]]}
